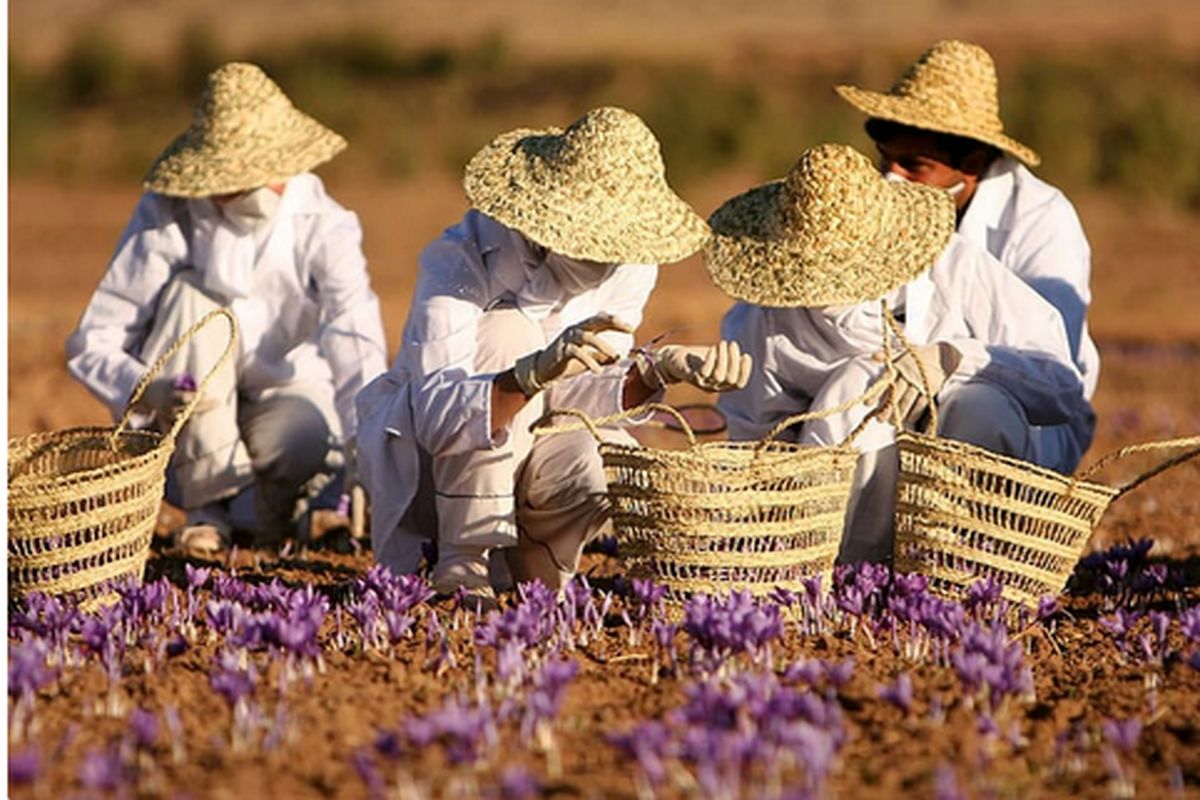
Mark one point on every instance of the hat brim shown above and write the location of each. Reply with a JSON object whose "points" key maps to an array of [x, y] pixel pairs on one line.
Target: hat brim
{"points": [[589, 221], [908, 111], [192, 167], [750, 261]]}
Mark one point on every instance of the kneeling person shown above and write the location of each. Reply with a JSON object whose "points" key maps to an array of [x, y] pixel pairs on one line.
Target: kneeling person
{"points": [[811, 258], [232, 218], [528, 304]]}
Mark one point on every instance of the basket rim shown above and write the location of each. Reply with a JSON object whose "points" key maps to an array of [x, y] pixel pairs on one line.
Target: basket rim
{"points": [[32, 480], [922, 441]]}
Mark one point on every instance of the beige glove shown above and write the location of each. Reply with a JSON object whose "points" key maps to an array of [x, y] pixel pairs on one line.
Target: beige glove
{"points": [[577, 348], [938, 361], [714, 368], [166, 402]]}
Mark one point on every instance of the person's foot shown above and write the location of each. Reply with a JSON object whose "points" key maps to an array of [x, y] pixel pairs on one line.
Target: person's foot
{"points": [[201, 540], [462, 572]]}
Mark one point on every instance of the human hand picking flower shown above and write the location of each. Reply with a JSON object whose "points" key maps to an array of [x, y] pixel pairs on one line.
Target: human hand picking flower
{"points": [[715, 368], [578, 348]]}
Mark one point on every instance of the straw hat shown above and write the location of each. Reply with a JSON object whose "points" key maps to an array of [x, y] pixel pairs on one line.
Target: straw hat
{"points": [[245, 133], [833, 232], [952, 88], [596, 191]]}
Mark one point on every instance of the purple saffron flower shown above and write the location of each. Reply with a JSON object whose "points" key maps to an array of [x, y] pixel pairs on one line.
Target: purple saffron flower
{"points": [[101, 770], [945, 783], [24, 765], [27, 667], [1122, 734], [231, 681], [1047, 607], [900, 693], [184, 382], [517, 783], [143, 727], [839, 674], [196, 576], [364, 765]]}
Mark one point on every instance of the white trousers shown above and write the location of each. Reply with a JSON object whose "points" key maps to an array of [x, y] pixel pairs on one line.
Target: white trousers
{"points": [[280, 441], [538, 498], [977, 412]]}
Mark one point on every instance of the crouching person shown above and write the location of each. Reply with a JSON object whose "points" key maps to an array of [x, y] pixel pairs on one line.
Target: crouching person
{"points": [[528, 304], [232, 218], [812, 256]]}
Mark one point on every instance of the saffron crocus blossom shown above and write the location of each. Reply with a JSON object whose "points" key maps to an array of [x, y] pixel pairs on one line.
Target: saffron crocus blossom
{"points": [[24, 765], [101, 770], [143, 729], [1122, 734], [899, 693], [28, 670]]}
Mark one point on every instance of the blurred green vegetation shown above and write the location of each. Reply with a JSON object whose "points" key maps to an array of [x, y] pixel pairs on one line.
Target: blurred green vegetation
{"points": [[98, 113]]}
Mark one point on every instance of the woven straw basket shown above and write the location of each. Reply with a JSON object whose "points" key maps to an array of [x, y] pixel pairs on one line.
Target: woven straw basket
{"points": [[964, 513], [720, 516], [82, 502]]}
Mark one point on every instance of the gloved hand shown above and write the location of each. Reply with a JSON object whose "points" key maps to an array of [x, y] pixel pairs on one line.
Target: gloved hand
{"points": [[938, 361], [166, 398], [714, 368], [577, 348]]}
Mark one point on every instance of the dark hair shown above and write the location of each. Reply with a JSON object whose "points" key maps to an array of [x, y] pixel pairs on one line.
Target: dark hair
{"points": [[955, 148]]}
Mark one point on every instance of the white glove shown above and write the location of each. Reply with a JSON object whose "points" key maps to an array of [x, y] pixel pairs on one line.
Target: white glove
{"points": [[166, 401], [714, 368], [938, 361], [577, 348]]}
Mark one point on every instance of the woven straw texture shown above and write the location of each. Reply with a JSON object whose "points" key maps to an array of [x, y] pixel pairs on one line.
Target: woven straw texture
{"points": [[245, 133], [82, 502], [724, 516], [832, 232], [596, 191], [964, 513], [952, 88]]}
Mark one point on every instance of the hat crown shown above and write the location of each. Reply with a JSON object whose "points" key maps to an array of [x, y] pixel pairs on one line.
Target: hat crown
{"points": [[957, 78], [831, 199], [238, 100], [604, 144]]}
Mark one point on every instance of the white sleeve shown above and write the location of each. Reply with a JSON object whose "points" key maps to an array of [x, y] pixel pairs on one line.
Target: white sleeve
{"points": [[101, 351], [1017, 341], [351, 334], [451, 403]]}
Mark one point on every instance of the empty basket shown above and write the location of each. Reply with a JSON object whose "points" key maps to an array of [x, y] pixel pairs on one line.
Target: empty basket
{"points": [[964, 513], [82, 502], [720, 516]]}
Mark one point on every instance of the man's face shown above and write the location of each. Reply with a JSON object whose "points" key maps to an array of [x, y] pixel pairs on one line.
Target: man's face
{"points": [[917, 156]]}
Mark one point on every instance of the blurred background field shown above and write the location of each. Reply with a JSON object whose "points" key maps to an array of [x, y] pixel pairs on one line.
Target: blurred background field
{"points": [[1108, 91]]}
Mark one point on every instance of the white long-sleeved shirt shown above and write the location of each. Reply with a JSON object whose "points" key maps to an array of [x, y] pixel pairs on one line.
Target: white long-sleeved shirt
{"points": [[309, 315], [1032, 228], [1006, 333], [433, 399]]}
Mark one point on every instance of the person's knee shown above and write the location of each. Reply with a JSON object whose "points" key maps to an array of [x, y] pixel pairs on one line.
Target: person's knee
{"points": [[294, 445], [564, 470], [985, 415]]}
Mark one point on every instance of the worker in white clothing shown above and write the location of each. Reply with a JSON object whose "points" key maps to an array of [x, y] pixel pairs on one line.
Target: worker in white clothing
{"points": [[815, 258], [940, 125], [529, 304], [232, 217]]}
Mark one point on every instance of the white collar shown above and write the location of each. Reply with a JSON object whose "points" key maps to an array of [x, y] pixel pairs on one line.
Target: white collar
{"points": [[988, 203]]}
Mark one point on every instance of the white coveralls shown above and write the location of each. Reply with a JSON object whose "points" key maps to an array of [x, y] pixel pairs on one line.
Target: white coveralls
{"points": [[1032, 228], [1016, 374], [310, 336], [425, 449]]}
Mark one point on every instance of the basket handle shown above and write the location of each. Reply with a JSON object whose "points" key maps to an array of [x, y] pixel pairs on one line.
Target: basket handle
{"points": [[157, 367], [931, 426], [540, 428], [873, 391], [1192, 442]]}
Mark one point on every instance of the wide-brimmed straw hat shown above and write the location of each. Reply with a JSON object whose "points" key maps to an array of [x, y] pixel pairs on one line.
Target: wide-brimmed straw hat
{"points": [[833, 232], [952, 88], [596, 191], [245, 133]]}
